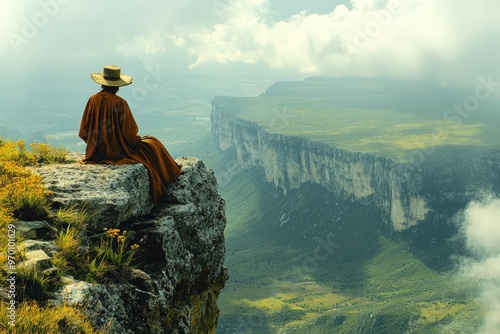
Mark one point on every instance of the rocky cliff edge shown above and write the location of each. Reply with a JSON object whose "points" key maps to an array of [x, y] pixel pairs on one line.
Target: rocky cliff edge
{"points": [[180, 275]]}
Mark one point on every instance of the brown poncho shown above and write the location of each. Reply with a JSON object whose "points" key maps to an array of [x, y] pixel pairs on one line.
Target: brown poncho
{"points": [[111, 134]]}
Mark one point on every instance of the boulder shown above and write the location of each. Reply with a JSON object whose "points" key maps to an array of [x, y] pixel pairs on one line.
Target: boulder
{"points": [[111, 193], [35, 258]]}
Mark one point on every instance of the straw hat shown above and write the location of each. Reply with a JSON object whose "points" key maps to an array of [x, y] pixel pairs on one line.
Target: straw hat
{"points": [[111, 76]]}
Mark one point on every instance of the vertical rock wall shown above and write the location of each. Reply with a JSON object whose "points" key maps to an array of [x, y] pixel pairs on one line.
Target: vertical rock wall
{"points": [[406, 194]]}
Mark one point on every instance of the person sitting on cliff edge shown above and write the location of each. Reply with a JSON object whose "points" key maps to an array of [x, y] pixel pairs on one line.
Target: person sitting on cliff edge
{"points": [[111, 134]]}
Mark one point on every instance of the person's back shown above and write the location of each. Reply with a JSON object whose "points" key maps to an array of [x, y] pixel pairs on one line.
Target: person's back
{"points": [[111, 134], [109, 129]]}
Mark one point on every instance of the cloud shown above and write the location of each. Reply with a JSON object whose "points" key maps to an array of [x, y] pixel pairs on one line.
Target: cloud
{"points": [[481, 228], [446, 40], [406, 39]]}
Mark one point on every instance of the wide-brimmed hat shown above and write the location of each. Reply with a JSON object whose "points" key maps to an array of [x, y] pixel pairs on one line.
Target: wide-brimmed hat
{"points": [[111, 76]]}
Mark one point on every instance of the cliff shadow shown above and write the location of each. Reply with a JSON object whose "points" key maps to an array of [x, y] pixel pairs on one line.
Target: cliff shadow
{"points": [[436, 242], [338, 237], [452, 177], [307, 234]]}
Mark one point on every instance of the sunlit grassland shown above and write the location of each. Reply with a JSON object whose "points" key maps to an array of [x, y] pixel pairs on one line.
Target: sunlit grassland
{"points": [[33, 318], [370, 119], [397, 284]]}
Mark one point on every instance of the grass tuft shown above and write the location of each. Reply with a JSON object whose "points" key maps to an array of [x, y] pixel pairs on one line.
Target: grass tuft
{"points": [[32, 318], [33, 285], [73, 216], [68, 241]]}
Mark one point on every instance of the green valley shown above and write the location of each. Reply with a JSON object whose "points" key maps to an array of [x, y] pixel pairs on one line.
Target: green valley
{"points": [[308, 262]]}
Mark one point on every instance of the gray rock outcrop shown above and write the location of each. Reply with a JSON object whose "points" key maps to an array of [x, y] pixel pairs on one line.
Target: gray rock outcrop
{"points": [[180, 272], [112, 193]]}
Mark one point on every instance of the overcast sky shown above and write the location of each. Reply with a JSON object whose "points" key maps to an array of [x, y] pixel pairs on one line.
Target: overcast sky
{"points": [[445, 40]]}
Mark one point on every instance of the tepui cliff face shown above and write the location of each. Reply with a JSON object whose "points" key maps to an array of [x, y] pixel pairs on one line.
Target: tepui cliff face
{"points": [[405, 194], [179, 274]]}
